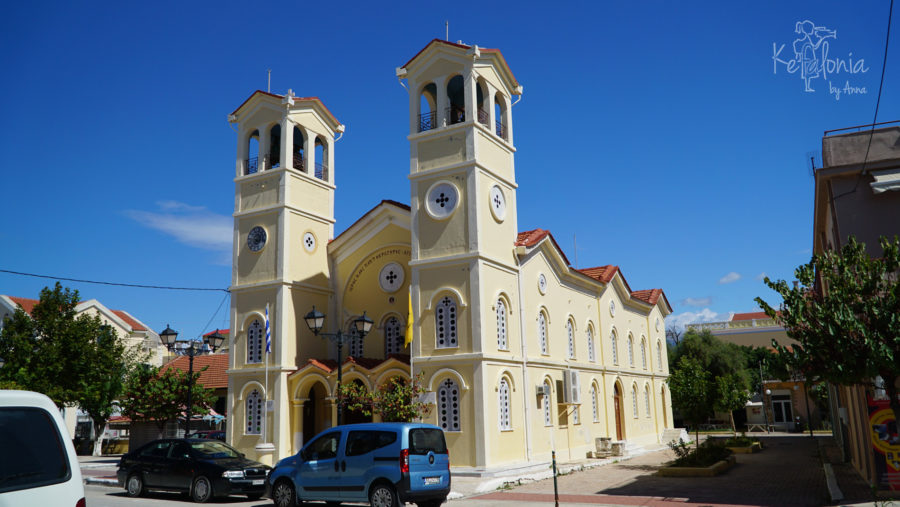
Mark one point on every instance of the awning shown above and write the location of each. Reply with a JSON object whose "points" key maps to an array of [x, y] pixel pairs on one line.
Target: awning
{"points": [[889, 179]]}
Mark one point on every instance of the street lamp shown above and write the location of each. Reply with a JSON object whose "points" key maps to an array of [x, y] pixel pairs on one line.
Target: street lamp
{"points": [[190, 348], [359, 328]]}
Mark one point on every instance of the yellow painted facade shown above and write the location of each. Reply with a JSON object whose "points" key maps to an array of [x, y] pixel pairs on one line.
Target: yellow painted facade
{"points": [[514, 345]]}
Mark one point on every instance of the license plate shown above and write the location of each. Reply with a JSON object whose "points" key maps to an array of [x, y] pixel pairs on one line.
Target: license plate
{"points": [[258, 482], [432, 480]]}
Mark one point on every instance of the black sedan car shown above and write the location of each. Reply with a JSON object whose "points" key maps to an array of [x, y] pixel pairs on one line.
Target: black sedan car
{"points": [[199, 467]]}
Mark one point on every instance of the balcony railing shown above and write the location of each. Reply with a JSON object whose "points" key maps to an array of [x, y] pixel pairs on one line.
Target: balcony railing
{"points": [[272, 160], [251, 165], [456, 114], [484, 118], [322, 172], [501, 130], [299, 162], [427, 121]]}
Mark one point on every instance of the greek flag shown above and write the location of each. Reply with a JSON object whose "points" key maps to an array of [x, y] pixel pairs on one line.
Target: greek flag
{"points": [[268, 332]]}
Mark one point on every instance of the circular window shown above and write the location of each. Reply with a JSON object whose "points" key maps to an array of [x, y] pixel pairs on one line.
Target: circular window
{"points": [[442, 199], [542, 283], [256, 239], [612, 308], [309, 242], [498, 203], [391, 277]]}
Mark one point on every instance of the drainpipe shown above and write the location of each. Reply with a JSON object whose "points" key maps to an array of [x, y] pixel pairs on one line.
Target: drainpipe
{"points": [[528, 451]]}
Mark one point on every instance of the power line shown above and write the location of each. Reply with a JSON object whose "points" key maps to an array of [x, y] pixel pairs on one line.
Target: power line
{"points": [[117, 284], [214, 315]]}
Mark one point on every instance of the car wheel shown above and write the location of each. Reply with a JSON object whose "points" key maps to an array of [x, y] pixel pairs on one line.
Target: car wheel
{"points": [[283, 494], [383, 495], [202, 490], [134, 486]]}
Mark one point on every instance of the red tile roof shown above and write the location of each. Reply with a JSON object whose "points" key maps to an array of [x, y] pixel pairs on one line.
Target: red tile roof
{"points": [[533, 237], [464, 46], [223, 332], [214, 377], [648, 296], [369, 363], [602, 273], [749, 316], [296, 99], [26, 303], [129, 320]]}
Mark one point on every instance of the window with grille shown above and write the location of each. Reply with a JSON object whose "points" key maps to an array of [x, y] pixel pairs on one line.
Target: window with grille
{"points": [[590, 345], [355, 346], [393, 339], [647, 400], [594, 410], [576, 417], [615, 352], [255, 410], [634, 400], [446, 324], [570, 330], [448, 404], [630, 350], [503, 393], [542, 332], [548, 419], [643, 353], [254, 342], [659, 356], [501, 326]]}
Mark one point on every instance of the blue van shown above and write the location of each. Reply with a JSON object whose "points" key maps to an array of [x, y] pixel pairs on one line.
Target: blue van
{"points": [[382, 463]]}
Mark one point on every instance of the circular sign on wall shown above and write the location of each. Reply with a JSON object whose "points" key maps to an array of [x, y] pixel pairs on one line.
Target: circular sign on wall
{"points": [[498, 203], [542, 283], [391, 277], [442, 199], [309, 242], [612, 308]]}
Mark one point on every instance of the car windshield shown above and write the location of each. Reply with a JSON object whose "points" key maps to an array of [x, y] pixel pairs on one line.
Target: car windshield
{"points": [[213, 449]]}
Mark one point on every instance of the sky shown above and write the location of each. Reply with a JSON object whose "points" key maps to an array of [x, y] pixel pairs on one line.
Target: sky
{"points": [[668, 138]]}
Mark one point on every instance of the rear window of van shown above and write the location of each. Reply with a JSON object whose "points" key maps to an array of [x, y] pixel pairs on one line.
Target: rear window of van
{"points": [[30, 436], [425, 440]]}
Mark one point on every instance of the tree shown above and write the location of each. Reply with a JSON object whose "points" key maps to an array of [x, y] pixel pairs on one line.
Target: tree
{"points": [[692, 392], [159, 397], [73, 359], [673, 335], [844, 311], [730, 395], [717, 357], [397, 400]]}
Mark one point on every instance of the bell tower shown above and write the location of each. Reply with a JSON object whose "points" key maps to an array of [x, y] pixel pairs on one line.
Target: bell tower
{"points": [[463, 208], [283, 220]]}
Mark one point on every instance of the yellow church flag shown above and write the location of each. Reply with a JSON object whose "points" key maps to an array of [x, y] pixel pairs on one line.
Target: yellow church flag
{"points": [[407, 339]]}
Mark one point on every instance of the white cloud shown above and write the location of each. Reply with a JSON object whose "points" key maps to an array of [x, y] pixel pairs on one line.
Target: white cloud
{"points": [[730, 278], [696, 301], [761, 276], [192, 225], [678, 321]]}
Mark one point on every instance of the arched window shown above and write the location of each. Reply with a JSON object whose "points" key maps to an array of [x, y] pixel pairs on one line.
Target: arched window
{"points": [[634, 400], [643, 352], [321, 171], [428, 108], [548, 418], [590, 345], [456, 95], [445, 330], [274, 147], [448, 404], [570, 331], [393, 339], [503, 399], [500, 120], [647, 399], [630, 350], [542, 332], [594, 409], [299, 162], [254, 413], [254, 342], [659, 355], [251, 165], [355, 346], [615, 352], [501, 326], [479, 103]]}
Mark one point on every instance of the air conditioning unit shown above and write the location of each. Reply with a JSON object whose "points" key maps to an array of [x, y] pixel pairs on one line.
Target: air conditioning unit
{"points": [[542, 390], [572, 387]]}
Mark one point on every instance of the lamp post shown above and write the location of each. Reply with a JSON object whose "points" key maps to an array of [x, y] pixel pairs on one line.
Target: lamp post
{"points": [[359, 328], [190, 348]]}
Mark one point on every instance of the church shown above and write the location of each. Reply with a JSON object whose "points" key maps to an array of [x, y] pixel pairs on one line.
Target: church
{"points": [[520, 353]]}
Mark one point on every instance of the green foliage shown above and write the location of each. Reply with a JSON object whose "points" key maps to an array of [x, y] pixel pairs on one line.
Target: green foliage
{"points": [[730, 395], [717, 357], [741, 441], [706, 454], [151, 395], [396, 400], [692, 391], [845, 314]]}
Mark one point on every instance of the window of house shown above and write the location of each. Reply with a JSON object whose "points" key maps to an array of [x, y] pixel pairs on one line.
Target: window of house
{"points": [[393, 339], [630, 350], [634, 404], [503, 394], [501, 326], [647, 400], [594, 410], [576, 416], [643, 353], [254, 413], [448, 405], [548, 419], [659, 365], [446, 324], [542, 332], [355, 346], [570, 331], [254, 342], [590, 345], [615, 352]]}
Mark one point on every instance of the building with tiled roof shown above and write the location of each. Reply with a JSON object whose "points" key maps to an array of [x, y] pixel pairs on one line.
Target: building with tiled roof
{"points": [[517, 349]]}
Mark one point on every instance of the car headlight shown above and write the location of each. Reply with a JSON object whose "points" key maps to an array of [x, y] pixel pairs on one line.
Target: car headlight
{"points": [[233, 474]]}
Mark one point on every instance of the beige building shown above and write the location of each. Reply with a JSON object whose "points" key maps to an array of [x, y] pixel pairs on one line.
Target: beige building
{"points": [[857, 193], [520, 353]]}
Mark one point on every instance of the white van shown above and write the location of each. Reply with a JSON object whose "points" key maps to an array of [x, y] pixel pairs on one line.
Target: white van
{"points": [[38, 464]]}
